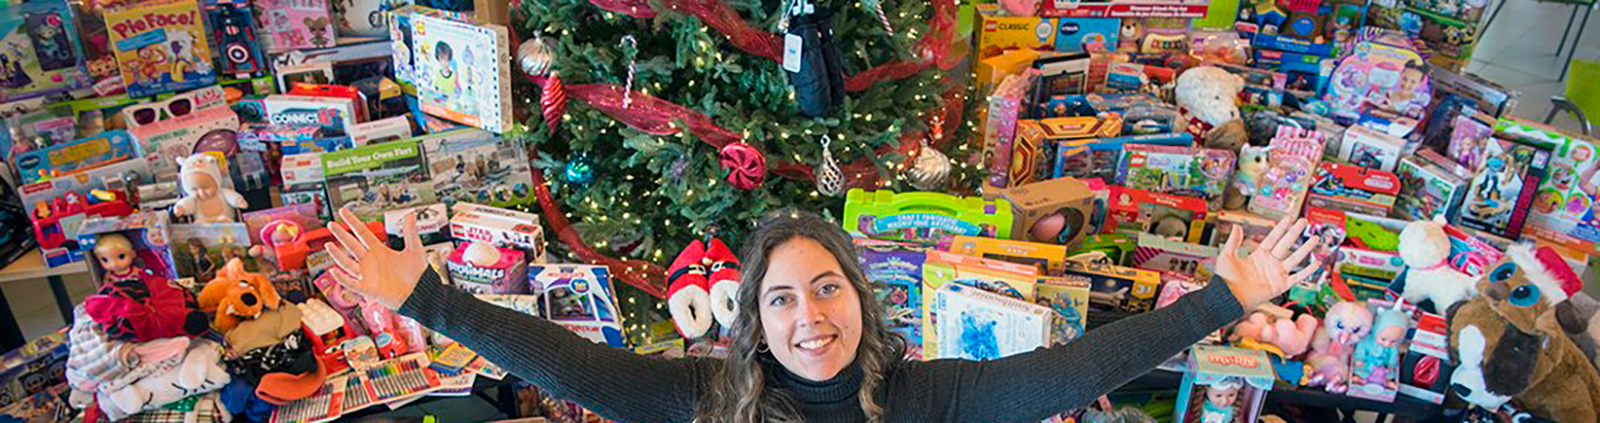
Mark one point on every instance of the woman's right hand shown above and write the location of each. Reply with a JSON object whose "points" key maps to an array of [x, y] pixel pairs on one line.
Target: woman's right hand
{"points": [[366, 264]]}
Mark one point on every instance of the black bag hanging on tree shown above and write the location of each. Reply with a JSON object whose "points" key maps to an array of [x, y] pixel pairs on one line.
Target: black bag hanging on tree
{"points": [[811, 58]]}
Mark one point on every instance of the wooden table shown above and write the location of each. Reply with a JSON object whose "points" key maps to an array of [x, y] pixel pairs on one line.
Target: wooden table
{"points": [[31, 267]]}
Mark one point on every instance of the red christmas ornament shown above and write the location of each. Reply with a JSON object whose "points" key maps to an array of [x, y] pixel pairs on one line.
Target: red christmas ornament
{"points": [[553, 100], [747, 168]]}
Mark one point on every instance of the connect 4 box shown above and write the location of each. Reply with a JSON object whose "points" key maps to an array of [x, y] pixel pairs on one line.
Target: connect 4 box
{"points": [[498, 227]]}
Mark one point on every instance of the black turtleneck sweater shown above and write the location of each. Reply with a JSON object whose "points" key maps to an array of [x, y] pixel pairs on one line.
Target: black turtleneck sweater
{"points": [[1026, 387]]}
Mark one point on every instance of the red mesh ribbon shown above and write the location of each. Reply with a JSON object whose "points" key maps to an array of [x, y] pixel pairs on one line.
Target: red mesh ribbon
{"points": [[717, 15], [650, 113], [646, 276]]}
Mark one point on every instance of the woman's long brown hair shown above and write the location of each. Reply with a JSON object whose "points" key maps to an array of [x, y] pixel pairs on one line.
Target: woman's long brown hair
{"points": [[738, 392]]}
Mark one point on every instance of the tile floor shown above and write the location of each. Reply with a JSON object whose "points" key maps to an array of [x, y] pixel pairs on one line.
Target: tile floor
{"points": [[1518, 51]]}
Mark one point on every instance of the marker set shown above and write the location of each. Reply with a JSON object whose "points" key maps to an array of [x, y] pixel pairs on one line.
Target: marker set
{"points": [[392, 381]]}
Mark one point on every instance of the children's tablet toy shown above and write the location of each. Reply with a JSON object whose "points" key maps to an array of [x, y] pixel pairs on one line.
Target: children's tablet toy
{"points": [[923, 216], [1224, 384]]}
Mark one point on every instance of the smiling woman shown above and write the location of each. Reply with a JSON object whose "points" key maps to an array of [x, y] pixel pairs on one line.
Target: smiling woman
{"points": [[810, 343]]}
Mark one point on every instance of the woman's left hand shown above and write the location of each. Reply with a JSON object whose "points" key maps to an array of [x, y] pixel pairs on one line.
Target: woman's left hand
{"points": [[1264, 274]]}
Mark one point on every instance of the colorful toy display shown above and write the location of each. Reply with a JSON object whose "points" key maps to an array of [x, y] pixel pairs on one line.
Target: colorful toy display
{"points": [[1224, 385], [580, 298]]}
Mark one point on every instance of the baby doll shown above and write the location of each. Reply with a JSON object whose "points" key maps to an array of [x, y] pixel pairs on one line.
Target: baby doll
{"points": [[1378, 357], [1218, 403], [204, 196], [136, 305], [1329, 361]]}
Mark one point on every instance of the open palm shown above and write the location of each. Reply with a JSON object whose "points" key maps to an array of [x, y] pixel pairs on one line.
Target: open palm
{"points": [[367, 265], [1264, 274]]}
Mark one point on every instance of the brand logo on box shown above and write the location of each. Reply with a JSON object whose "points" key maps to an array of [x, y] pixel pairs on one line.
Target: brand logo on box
{"points": [[308, 117]]}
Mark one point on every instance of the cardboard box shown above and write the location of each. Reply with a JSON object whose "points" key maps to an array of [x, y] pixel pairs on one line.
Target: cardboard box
{"points": [[499, 227], [1173, 216], [995, 69], [1058, 211], [1033, 151], [895, 269], [1157, 253], [506, 275], [580, 298], [1001, 33], [983, 325], [942, 268], [1049, 259], [1115, 287]]}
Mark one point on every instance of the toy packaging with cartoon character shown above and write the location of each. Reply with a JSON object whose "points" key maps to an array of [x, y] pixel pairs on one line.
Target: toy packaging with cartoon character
{"points": [[1187, 171], [40, 52], [1501, 196], [1224, 384], [579, 297], [296, 24], [895, 270], [162, 48]]}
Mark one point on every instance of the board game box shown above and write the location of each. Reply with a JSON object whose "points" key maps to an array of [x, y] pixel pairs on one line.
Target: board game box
{"points": [[477, 166], [161, 48], [335, 116], [378, 177], [463, 71]]}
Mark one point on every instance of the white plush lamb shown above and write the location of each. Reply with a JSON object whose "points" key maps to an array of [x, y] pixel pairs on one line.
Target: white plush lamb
{"points": [[1425, 248]]}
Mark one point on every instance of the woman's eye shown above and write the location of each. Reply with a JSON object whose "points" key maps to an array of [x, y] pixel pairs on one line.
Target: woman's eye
{"points": [[778, 301], [828, 289]]}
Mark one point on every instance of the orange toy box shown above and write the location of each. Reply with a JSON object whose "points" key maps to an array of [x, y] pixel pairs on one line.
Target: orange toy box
{"points": [[1033, 152]]}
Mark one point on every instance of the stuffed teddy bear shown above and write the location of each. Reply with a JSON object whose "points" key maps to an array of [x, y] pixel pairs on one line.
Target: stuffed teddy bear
{"points": [[1207, 98], [1425, 248], [1511, 344], [1269, 329], [1329, 361], [1252, 163], [1580, 318], [236, 295]]}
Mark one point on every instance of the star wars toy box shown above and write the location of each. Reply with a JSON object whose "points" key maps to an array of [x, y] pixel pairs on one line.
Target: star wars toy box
{"points": [[1047, 258], [58, 207], [1501, 196], [1224, 384], [1173, 216], [1353, 189], [925, 217], [64, 159], [161, 48], [895, 269], [1118, 288], [580, 298], [470, 222], [1430, 184], [483, 269], [942, 268], [43, 54], [981, 325], [1059, 211]]}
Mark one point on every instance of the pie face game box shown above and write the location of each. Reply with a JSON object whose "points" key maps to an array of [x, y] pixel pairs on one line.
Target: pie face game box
{"points": [[161, 48]]}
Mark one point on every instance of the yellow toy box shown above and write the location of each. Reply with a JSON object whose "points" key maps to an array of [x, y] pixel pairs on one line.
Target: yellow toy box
{"points": [[1049, 259], [1000, 33], [1033, 151]]}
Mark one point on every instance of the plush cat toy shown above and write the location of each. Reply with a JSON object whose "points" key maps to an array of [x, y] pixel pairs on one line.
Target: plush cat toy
{"points": [[1425, 248], [1252, 163], [1328, 364], [1510, 344]]}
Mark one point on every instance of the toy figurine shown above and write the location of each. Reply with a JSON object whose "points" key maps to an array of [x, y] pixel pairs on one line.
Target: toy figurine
{"points": [[1329, 362], [135, 305], [204, 196], [204, 267], [1222, 399], [1377, 358]]}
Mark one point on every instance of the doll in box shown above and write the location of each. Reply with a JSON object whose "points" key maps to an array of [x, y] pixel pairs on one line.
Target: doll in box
{"points": [[1377, 358], [1329, 361], [137, 305], [205, 197]]}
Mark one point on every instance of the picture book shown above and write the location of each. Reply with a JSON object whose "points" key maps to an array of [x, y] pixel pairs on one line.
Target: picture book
{"points": [[982, 325], [580, 298], [1430, 184], [296, 24], [74, 156], [378, 177], [40, 53], [1501, 196], [1188, 171], [162, 48], [463, 71], [895, 270], [1068, 296], [476, 166]]}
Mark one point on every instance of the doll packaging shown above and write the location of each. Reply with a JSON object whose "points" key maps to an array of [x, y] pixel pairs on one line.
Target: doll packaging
{"points": [[1224, 384], [42, 54]]}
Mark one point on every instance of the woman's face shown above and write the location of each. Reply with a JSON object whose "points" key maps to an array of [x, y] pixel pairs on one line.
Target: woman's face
{"points": [[810, 313]]}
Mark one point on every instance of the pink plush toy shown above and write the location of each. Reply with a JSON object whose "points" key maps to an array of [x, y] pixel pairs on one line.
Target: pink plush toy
{"points": [[1329, 361], [1267, 329]]}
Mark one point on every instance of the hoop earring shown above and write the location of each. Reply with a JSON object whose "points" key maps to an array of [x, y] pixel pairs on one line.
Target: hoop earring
{"points": [[763, 348]]}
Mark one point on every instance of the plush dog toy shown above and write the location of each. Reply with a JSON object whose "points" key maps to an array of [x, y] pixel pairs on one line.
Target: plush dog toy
{"points": [[1580, 318], [237, 295], [1425, 248], [1510, 344]]}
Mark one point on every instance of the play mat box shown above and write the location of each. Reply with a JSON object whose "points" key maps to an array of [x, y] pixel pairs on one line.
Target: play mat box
{"points": [[43, 55], [1224, 384], [463, 71], [580, 298], [162, 48], [981, 325], [927, 217], [942, 268]]}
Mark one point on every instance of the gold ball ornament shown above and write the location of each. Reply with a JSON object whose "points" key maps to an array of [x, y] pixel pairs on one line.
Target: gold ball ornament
{"points": [[535, 57], [930, 170]]}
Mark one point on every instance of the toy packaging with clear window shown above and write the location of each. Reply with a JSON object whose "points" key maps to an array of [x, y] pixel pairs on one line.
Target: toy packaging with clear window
{"points": [[1501, 196], [1224, 384], [58, 206], [579, 297], [42, 53], [1430, 184]]}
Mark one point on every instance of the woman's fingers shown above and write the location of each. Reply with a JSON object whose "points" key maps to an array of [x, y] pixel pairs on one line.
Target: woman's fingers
{"points": [[345, 279], [413, 240], [1300, 254], [359, 228], [343, 258], [1281, 249], [1276, 234], [1303, 274], [352, 245], [1235, 239]]}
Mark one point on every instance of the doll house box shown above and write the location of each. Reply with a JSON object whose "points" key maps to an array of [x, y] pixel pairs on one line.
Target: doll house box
{"points": [[1224, 384], [579, 298]]}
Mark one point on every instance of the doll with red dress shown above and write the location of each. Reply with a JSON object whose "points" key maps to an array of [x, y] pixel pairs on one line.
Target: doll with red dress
{"points": [[137, 304]]}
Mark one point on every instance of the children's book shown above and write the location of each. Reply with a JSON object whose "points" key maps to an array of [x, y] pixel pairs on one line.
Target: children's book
{"points": [[39, 51], [375, 178], [463, 72], [162, 48], [476, 166], [296, 24]]}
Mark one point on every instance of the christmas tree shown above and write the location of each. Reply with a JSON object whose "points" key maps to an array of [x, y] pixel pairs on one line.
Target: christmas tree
{"points": [[640, 176]]}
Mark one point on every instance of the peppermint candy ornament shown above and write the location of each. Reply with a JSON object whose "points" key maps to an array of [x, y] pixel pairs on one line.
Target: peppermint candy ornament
{"points": [[830, 181], [747, 168], [553, 101]]}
